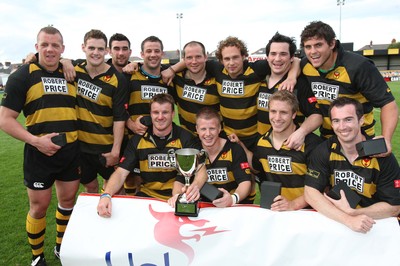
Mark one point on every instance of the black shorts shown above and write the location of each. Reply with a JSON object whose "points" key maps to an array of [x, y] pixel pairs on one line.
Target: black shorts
{"points": [[91, 165], [40, 170]]}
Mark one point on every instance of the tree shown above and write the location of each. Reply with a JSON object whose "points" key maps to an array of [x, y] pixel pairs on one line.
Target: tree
{"points": [[394, 44]]}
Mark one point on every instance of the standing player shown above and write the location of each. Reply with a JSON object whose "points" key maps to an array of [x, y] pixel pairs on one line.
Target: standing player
{"points": [[143, 85], [48, 103], [101, 101], [146, 83], [280, 54], [120, 51], [195, 88], [238, 82], [334, 72]]}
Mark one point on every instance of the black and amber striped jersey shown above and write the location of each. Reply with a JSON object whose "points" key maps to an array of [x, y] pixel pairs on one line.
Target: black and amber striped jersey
{"points": [[101, 101], [191, 97], [156, 168], [352, 76], [285, 166], [47, 100], [238, 97], [229, 169], [142, 88], [374, 179], [307, 102]]}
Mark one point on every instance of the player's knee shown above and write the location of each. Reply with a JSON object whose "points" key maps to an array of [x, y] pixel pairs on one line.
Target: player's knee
{"points": [[92, 187]]}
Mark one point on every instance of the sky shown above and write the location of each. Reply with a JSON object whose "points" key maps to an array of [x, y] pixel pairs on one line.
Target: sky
{"points": [[207, 21]]}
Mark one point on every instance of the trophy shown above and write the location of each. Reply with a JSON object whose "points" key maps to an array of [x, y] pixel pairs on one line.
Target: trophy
{"points": [[186, 161]]}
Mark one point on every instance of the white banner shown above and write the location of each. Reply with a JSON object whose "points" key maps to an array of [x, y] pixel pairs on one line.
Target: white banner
{"points": [[146, 232]]}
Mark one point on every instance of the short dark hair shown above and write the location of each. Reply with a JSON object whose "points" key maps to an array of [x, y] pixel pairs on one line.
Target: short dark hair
{"points": [[119, 37], [192, 43], [342, 101], [162, 98], [95, 34], [208, 113], [282, 39], [229, 42], [317, 29], [285, 96], [50, 30], [151, 39]]}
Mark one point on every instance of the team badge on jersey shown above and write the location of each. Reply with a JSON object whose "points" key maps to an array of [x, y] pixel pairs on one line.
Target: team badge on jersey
{"points": [[223, 156], [107, 78], [336, 74], [366, 162]]}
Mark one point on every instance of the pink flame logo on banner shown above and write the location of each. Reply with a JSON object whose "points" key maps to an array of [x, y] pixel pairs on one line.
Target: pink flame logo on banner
{"points": [[167, 231]]}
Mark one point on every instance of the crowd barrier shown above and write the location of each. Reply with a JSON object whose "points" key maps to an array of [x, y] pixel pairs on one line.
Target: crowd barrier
{"points": [[146, 232]]}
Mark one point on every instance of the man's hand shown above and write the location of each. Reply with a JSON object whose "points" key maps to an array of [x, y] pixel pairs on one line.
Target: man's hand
{"points": [[136, 126], [130, 68], [342, 203], [234, 138], [360, 223], [171, 201], [281, 204], [288, 84], [388, 146], [167, 75], [68, 69], [45, 145], [30, 58], [111, 158], [192, 192], [225, 201], [104, 207], [295, 140]]}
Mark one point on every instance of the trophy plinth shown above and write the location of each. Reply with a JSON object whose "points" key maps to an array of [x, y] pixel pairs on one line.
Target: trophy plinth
{"points": [[186, 161], [185, 208]]}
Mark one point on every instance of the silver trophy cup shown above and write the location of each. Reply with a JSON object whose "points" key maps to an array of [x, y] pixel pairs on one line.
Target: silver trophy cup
{"points": [[186, 162]]}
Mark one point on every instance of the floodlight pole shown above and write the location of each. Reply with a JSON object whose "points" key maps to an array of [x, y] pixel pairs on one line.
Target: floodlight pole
{"points": [[340, 3], [179, 16]]}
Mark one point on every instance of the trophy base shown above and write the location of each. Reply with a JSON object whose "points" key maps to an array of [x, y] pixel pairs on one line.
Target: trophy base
{"points": [[184, 208]]}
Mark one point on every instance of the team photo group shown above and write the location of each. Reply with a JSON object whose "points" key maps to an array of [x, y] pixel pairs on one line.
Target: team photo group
{"points": [[109, 126]]}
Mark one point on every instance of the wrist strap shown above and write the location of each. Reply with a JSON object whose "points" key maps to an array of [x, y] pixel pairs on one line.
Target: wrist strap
{"points": [[235, 198], [105, 195], [172, 69]]}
